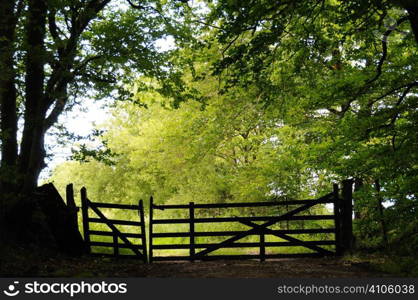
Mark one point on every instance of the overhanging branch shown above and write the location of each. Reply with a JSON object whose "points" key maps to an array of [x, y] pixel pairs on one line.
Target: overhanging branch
{"points": [[385, 48]]}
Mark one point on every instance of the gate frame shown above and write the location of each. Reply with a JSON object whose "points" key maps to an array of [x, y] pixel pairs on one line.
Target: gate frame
{"points": [[139, 250], [341, 215]]}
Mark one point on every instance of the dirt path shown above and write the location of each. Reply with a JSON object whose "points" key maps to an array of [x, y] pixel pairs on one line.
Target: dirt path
{"points": [[105, 267]]}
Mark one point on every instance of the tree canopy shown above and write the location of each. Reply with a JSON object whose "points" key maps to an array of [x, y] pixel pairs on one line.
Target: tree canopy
{"points": [[257, 100]]}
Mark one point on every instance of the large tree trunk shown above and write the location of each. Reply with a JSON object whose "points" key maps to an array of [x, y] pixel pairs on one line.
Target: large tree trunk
{"points": [[31, 160], [22, 220]]}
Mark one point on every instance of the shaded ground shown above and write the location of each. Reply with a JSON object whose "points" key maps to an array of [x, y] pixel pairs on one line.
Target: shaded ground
{"points": [[109, 267]]}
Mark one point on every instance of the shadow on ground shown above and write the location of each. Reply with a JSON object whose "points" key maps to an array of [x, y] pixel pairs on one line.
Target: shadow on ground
{"points": [[111, 267]]}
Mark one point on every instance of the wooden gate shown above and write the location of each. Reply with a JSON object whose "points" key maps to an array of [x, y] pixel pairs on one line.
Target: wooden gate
{"points": [[135, 249], [256, 226]]}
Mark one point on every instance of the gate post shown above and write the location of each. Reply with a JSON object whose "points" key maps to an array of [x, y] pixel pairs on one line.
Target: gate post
{"points": [[143, 239], [347, 215], [85, 213], [115, 244], [72, 208], [192, 242], [151, 207], [262, 247], [337, 219]]}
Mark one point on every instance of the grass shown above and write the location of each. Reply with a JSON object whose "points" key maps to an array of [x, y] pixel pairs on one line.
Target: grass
{"points": [[384, 262]]}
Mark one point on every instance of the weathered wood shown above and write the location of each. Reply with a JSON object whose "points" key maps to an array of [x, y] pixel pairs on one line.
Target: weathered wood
{"points": [[138, 249], [142, 220], [69, 193], [114, 205], [115, 245], [255, 230], [241, 245], [192, 242], [262, 247], [231, 233], [72, 208], [325, 199], [85, 214], [289, 238], [110, 233], [151, 223], [118, 222], [261, 230], [113, 227], [234, 219]]}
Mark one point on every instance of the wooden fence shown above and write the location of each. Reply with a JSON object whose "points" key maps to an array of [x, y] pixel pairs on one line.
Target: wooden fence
{"points": [[138, 249], [259, 225], [341, 217]]}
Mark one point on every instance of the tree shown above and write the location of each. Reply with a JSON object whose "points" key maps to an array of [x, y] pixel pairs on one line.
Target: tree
{"points": [[52, 52], [227, 148], [55, 52], [344, 74]]}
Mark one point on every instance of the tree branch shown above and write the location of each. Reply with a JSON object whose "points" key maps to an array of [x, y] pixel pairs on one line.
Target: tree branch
{"points": [[385, 48], [137, 6], [396, 113], [56, 111]]}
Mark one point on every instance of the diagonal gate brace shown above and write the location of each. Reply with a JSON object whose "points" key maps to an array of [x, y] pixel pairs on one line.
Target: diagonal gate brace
{"points": [[113, 227], [264, 226], [261, 229]]}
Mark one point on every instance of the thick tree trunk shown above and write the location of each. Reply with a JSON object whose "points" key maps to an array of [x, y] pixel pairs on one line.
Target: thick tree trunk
{"points": [[21, 216], [31, 160], [8, 110]]}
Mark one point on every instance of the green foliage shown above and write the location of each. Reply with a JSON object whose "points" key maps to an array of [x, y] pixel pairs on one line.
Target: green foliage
{"points": [[284, 100]]}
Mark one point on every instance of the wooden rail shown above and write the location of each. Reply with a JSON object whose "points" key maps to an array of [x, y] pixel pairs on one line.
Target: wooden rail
{"points": [[205, 251], [139, 250]]}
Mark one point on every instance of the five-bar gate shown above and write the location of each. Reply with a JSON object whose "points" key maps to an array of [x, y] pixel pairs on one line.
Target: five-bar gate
{"points": [[137, 249], [207, 232], [261, 238]]}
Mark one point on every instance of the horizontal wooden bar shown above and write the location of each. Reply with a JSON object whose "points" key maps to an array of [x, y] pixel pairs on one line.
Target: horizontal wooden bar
{"points": [[236, 257], [232, 233], [118, 222], [236, 219], [326, 199], [110, 233], [110, 244], [243, 245], [114, 205]]}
